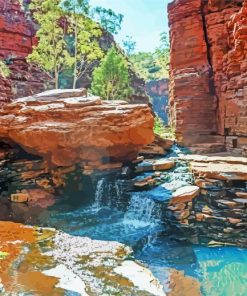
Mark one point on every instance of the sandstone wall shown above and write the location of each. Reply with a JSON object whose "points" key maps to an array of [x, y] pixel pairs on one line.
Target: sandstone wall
{"points": [[5, 91], [208, 88], [16, 40]]}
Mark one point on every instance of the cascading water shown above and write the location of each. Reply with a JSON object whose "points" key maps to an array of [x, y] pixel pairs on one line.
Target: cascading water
{"points": [[99, 194], [142, 212], [108, 193]]}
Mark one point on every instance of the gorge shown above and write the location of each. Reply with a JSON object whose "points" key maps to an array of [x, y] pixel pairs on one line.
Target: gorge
{"points": [[92, 202]]}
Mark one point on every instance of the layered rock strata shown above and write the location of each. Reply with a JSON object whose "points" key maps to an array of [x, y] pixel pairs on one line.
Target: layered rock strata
{"points": [[208, 101], [17, 36], [214, 210], [66, 127], [5, 91]]}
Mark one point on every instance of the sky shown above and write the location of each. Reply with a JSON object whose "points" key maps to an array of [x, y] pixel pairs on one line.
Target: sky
{"points": [[144, 20]]}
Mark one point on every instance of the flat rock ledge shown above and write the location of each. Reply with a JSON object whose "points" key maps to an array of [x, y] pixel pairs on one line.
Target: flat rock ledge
{"points": [[67, 127]]}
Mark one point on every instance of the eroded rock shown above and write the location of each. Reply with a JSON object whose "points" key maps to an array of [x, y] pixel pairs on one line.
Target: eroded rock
{"points": [[66, 128]]}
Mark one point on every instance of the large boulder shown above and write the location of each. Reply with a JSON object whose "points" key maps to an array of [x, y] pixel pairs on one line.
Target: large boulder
{"points": [[66, 127]]}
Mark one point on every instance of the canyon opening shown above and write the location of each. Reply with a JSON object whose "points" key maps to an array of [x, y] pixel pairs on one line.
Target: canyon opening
{"points": [[123, 144]]}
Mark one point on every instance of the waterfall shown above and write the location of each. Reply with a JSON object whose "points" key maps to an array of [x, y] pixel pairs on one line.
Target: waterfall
{"points": [[108, 193], [142, 211], [99, 194]]}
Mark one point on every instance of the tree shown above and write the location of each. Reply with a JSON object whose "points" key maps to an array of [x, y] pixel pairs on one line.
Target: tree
{"points": [[108, 19], [163, 54], [129, 45], [84, 35], [51, 53], [153, 65], [111, 78]]}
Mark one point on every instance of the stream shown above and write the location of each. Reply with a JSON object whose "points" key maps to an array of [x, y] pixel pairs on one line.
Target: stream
{"points": [[111, 212]]}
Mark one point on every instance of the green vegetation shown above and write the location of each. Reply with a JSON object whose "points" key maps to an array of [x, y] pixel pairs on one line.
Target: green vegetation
{"points": [[84, 34], [108, 19], [163, 131], [111, 79], [3, 255], [51, 53], [4, 70], [153, 65], [68, 38]]}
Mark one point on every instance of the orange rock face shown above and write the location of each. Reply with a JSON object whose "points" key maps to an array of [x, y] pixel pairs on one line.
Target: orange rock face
{"points": [[66, 127], [5, 91], [17, 36], [208, 99]]}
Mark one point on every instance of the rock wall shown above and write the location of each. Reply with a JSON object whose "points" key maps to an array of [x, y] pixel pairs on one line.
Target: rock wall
{"points": [[158, 91], [5, 91], [17, 33], [214, 210], [208, 82]]}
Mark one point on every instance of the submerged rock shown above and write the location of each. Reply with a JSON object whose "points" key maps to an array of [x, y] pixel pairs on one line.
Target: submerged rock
{"points": [[44, 261]]}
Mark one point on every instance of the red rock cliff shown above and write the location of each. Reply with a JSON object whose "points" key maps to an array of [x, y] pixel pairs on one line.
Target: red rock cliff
{"points": [[208, 81], [16, 41]]}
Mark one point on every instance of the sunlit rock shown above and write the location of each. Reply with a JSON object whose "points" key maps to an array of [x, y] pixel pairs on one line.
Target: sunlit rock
{"points": [[66, 127]]}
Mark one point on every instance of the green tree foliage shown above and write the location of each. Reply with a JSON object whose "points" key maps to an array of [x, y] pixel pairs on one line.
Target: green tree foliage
{"points": [[111, 79], [68, 38], [108, 19], [153, 65], [129, 45], [4, 70], [163, 131], [51, 53], [84, 35]]}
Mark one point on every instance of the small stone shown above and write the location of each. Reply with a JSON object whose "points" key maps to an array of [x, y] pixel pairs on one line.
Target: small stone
{"points": [[199, 217], [241, 194], [19, 197], [206, 210], [177, 207], [234, 220], [227, 203]]}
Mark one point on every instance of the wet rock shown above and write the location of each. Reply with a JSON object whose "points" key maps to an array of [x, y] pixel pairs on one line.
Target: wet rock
{"points": [[185, 194], [155, 165], [181, 285], [55, 263]]}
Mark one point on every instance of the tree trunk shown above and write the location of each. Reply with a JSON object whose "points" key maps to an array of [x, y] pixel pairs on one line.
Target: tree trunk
{"points": [[75, 55], [56, 78]]}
